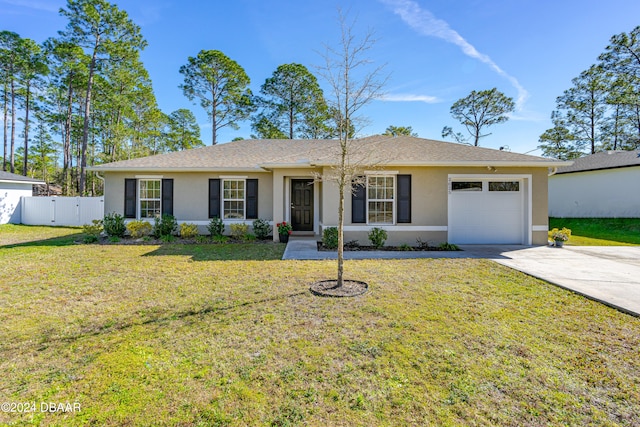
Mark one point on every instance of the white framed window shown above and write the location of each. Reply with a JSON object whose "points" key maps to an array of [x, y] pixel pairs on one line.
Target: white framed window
{"points": [[381, 199], [150, 199], [233, 199]]}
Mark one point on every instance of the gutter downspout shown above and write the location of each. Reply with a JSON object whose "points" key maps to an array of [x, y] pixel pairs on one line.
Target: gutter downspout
{"points": [[101, 179], [552, 171]]}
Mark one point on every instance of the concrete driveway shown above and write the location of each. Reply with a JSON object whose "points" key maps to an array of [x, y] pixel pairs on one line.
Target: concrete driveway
{"points": [[609, 274]]}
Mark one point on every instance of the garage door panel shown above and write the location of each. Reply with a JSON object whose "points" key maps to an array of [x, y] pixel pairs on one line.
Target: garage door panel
{"points": [[486, 217]]}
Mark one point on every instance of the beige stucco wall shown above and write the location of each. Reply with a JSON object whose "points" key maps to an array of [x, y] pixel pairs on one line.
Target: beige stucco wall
{"points": [[190, 193], [429, 199], [429, 204]]}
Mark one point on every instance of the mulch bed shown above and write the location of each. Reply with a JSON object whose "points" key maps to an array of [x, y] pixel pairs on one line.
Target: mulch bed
{"points": [[359, 248], [350, 288], [127, 240]]}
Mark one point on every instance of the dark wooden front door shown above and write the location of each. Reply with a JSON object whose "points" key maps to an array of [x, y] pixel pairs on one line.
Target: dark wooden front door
{"points": [[302, 204]]}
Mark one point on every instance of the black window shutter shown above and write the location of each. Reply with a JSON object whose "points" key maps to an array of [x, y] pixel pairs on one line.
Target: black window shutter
{"points": [[167, 196], [130, 186], [359, 204], [214, 198], [403, 213], [252, 199]]}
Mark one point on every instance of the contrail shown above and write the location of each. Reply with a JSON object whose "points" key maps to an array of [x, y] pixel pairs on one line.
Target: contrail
{"points": [[423, 21]]}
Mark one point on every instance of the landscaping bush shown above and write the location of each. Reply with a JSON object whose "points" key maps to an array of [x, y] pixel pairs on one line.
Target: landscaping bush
{"points": [[445, 246], [239, 231], [330, 237], [165, 226], [139, 228], [261, 229], [377, 237], [92, 231], [216, 227], [113, 224], [188, 230]]}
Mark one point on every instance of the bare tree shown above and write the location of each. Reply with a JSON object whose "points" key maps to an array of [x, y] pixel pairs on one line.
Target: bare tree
{"points": [[353, 83]]}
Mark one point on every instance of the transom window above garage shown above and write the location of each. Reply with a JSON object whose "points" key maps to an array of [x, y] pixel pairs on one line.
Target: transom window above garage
{"points": [[504, 186], [466, 186]]}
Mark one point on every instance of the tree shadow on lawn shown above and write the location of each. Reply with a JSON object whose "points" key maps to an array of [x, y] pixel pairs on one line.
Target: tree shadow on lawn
{"points": [[66, 240], [223, 252]]}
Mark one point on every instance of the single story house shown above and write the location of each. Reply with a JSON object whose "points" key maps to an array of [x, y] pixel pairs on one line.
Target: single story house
{"points": [[412, 187], [602, 185], [12, 188]]}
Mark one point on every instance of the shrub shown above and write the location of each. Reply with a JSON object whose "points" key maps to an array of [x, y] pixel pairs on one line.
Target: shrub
{"points": [[167, 238], [113, 224], [216, 227], [239, 230], [377, 237], [261, 229], [220, 239], [330, 237], [165, 226], [423, 244], [139, 228], [188, 230], [405, 247], [202, 239], [445, 246], [92, 231]]}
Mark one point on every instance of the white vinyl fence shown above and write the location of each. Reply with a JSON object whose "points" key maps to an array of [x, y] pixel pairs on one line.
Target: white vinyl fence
{"points": [[61, 210]]}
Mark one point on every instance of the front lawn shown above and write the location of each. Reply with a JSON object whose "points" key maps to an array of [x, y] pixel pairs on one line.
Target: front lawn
{"points": [[150, 335], [600, 231]]}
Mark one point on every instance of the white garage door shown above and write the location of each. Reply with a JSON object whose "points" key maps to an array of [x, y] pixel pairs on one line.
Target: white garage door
{"points": [[486, 212]]}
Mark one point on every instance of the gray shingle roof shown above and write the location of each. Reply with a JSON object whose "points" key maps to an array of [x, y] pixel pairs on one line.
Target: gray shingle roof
{"points": [[8, 176], [603, 160], [272, 153]]}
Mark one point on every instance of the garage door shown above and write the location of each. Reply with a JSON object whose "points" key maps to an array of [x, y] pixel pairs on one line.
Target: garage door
{"points": [[486, 212]]}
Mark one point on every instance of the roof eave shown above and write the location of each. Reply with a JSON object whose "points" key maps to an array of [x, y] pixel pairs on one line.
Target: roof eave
{"points": [[597, 169], [18, 181], [472, 163], [175, 169]]}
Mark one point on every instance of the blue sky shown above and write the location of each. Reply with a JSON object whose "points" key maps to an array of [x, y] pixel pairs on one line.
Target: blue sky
{"points": [[435, 51]]}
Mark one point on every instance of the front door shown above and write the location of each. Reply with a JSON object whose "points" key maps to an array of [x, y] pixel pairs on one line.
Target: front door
{"points": [[302, 204]]}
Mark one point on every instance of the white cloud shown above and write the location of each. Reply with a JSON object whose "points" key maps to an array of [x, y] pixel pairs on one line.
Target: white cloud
{"points": [[423, 22], [407, 97]]}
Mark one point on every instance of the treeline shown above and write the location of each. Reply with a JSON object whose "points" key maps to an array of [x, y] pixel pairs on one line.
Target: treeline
{"points": [[601, 111], [84, 98]]}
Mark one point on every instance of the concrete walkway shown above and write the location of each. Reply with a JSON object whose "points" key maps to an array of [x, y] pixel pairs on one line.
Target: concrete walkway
{"points": [[608, 274]]}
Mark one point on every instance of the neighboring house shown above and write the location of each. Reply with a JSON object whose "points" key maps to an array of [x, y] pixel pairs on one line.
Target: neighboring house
{"points": [[12, 188], [602, 185], [415, 188]]}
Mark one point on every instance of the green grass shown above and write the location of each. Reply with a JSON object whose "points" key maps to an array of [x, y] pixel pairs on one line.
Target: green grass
{"points": [[149, 335], [600, 231]]}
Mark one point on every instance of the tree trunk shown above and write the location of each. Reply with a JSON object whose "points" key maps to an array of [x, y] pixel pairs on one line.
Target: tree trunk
{"points": [[340, 280], [291, 116], [6, 125], [85, 129], [67, 158], [25, 162], [213, 125], [12, 158]]}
